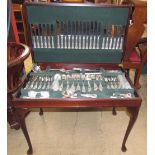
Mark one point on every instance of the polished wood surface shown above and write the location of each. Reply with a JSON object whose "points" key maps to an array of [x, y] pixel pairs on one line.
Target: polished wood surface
{"points": [[17, 12], [136, 29], [135, 32], [132, 104], [16, 54]]}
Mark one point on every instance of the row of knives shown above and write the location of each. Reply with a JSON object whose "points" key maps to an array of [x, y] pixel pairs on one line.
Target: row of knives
{"points": [[77, 35], [78, 42], [77, 28]]}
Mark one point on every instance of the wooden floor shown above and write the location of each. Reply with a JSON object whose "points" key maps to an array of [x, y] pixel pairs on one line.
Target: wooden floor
{"points": [[82, 133]]}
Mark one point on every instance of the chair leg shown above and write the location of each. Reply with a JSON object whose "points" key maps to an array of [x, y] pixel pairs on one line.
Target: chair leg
{"points": [[41, 111], [137, 77], [11, 118], [114, 111]]}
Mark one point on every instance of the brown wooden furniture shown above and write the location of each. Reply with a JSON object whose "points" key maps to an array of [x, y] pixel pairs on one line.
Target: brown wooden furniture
{"points": [[16, 54], [20, 23], [133, 60], [13, 37], [37, 39], [132, 104], [137, 60]]}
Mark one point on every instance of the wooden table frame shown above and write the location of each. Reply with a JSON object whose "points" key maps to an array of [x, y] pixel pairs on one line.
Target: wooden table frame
{"points": [[132, 105]]}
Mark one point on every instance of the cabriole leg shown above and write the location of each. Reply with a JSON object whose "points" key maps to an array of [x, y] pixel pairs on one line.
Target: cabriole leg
{"points": [[114, 111], [41, 111], [133, 116], [25, 132]]}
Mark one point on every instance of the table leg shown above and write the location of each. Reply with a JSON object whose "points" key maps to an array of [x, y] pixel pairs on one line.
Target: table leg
{"points": [[25, 132], [133, 111], [114, 111], [41, 111]]}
